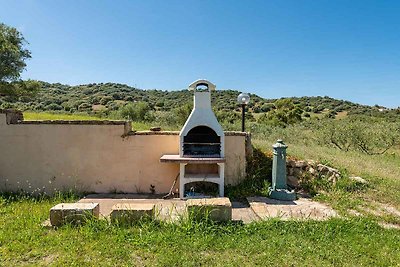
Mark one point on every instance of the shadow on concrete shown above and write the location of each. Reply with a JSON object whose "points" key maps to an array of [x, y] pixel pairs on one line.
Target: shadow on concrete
{"points": [[271, 201]]}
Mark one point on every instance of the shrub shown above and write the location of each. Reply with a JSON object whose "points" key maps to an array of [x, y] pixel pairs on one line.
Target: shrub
{"points": [[370, 136], [285, 113], [228, 117], [105, 99], [138, 111], [258, 179], [182, 113], [53, 106], [117, 96], [84, 107], [160, 104]]}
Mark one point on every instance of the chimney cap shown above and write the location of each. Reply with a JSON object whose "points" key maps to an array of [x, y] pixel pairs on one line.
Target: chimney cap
{"points": [[202, 82]]}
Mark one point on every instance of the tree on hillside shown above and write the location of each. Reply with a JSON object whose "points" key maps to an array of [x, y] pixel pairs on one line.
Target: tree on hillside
{"points": [[285, 112], [13, 55], [139, 111]]}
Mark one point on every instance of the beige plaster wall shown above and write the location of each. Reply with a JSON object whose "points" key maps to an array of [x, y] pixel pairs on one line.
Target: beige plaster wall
{"points": [[95, 158]]}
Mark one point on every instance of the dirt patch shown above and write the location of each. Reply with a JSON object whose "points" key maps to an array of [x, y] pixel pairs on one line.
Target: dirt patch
{"points": [[98, 107], [389, 225], [389, 209], [381, 209], [50, 259]]}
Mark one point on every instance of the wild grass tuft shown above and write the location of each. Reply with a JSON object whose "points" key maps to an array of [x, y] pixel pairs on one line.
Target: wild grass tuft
{"points": [[258, 179]]}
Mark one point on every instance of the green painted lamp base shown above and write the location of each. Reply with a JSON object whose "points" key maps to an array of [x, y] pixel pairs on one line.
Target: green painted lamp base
{"points": [[282, 194]]}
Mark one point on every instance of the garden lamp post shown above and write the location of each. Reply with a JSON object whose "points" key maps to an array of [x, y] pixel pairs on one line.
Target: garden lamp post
{"points": [[243, 99]]}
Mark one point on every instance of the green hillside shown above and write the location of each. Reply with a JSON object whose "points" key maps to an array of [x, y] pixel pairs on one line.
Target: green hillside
{"points": [[106, 97]]}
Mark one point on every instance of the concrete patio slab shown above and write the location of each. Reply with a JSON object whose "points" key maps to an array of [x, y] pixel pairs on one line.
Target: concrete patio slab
{"points": [[257, 208], [302, 208], [243, 212]]}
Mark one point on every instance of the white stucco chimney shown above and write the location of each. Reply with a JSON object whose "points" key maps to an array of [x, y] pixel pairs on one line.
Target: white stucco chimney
{"points": [[202, 113]]}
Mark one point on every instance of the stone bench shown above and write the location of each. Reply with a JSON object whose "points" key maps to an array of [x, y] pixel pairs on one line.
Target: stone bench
{"points": [[215, 209], [131, 212], [75, 213]]}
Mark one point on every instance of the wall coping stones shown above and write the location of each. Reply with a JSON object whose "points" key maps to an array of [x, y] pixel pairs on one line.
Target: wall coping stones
{"points": [[16, 117], [76, 122], [227, 133], [6, 111], [154, 133]]}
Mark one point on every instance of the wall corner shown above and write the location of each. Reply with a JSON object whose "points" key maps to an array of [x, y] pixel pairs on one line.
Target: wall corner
{"points": [[10, 116], [127, 128], [248, 146]]}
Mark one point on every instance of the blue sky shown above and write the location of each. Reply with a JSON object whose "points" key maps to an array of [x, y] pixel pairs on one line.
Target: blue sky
{"points": [[344, 49]]}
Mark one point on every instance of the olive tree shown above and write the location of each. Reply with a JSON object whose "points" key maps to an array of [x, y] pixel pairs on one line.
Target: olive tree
{"points": [[372, 136], [138, 111], [13, 55]]}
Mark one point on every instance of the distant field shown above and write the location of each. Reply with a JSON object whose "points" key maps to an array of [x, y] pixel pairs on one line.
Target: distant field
{"points": [[341, 115], [33, 116], [39, 116]]}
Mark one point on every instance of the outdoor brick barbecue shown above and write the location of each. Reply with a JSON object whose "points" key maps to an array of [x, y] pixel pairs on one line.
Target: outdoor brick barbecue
{"points": [[201, 151]]}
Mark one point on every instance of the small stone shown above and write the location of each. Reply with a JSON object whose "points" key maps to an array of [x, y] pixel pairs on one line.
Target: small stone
{"points": [[300, 164], [332, 170], [332, 178], [358, 179], [311, 162], [291, 163], [322, 168], [297, 172], [326, 170], [293, 181], [312, 171]]}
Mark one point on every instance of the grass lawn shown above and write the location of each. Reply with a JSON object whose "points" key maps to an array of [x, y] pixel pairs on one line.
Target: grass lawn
{"points": [[337, 242]]}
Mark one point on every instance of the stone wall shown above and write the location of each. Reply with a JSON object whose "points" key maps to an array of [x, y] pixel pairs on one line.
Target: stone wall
{"points": [[95, 156], [300, 169]]}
